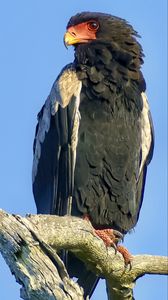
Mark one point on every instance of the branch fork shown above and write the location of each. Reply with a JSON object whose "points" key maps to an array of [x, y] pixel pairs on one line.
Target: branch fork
{"points": [[30, 245]]}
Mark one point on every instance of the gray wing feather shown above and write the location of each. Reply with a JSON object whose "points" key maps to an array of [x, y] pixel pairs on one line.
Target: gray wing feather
{"points": [[65, 91], [43, 127], [147, 133], [66, 86]]}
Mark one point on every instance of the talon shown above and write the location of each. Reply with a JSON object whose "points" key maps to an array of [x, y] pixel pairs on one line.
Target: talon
{"points": [[126, 255], [115, 247], [109, 236], [130, 265], [118, 234]]}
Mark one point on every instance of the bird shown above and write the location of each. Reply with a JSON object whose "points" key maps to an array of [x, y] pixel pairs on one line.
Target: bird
{"points": [[94, 138]]}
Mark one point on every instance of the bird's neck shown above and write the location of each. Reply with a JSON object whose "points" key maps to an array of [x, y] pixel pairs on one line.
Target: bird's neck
{"points": [[111, 62], [108, 74]]}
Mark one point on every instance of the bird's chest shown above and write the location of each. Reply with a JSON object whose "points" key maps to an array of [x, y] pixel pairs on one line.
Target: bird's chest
{"points": [[110, 117], [107, 123]]}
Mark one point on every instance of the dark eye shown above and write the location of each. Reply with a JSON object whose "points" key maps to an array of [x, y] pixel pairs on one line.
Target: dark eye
{"points": [[93, 25]]}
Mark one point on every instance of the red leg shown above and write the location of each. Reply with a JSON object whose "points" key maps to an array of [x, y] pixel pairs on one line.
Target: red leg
{"points": [[111, 238]]}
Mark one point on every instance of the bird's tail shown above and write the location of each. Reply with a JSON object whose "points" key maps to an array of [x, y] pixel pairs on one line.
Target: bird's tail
{"points": [[88, 281], [85, 278]]}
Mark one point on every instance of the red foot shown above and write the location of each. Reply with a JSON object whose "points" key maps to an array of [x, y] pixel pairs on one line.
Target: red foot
{"points": [[126, 255], [111, 238]]}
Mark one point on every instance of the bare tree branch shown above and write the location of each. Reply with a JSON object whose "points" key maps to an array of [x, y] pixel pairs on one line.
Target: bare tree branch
{"points": [[30, 245], [30, 262]]}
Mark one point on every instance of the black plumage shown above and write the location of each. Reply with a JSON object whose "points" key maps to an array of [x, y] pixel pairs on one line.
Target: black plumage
{"points": [[99, 167]]}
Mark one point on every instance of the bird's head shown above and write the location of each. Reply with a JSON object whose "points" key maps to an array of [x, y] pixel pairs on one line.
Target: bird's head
{"points": [[100, 39], [88, 27], [80, 30]]}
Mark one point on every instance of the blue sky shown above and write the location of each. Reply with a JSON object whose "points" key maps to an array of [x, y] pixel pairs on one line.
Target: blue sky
{"points": [[31, 56]]}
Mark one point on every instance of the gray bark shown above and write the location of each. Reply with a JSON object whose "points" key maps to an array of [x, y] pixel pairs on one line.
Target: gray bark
{"points": [[30, 246]]}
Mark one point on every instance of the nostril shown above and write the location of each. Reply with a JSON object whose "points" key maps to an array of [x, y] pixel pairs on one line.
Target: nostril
{"points": [[73, 33]]}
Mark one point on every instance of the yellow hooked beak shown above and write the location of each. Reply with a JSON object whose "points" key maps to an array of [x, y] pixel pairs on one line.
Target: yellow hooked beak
{"points": [[69, 39]]}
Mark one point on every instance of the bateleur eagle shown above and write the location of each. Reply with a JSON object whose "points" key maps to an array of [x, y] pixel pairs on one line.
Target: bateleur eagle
{"points": [[94, 137]]}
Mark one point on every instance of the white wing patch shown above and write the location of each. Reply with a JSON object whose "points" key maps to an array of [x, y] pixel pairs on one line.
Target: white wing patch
{"points": [[64, 88], [146, 131], [75, 128]]}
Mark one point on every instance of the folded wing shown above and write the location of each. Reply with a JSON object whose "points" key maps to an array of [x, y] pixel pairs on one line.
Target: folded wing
{"points": [[55, 145]]}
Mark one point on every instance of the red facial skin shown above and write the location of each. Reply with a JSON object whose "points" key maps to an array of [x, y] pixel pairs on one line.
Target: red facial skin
{"points": [[81, 33]]}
